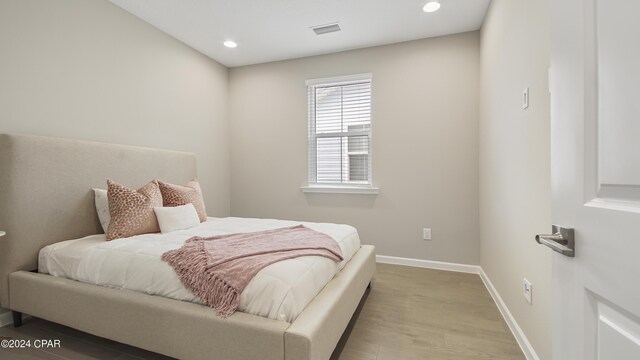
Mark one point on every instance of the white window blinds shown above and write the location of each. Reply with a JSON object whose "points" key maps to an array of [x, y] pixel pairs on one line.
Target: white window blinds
{"points": [[340, 131]]}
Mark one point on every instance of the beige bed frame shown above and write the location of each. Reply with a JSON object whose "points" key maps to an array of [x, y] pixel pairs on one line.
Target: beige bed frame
{"points": [[46, 197]]}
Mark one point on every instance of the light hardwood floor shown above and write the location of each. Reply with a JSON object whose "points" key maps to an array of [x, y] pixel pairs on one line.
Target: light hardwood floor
{"points": [[409, 313], [414, 313]]}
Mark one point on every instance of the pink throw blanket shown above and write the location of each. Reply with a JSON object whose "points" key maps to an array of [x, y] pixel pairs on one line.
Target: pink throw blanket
{"points": [[218, 268]]}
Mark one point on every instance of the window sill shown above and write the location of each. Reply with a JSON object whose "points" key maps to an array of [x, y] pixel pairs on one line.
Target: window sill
{"points": [[328, 189]]}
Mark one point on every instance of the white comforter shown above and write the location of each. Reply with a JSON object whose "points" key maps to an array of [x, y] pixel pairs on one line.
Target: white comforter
{"points": [[279, 291]]}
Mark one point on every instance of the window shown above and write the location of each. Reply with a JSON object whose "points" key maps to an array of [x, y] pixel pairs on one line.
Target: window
{"points": [[340, 131]]}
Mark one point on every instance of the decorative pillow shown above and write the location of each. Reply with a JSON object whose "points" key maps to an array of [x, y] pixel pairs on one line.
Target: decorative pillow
{"points": [[131, 211], [177, 217], [176, 195], [102, 208]]}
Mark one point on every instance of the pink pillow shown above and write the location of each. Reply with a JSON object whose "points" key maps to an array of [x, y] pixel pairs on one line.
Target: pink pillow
{"points": [[131, 211], [176, 195]]}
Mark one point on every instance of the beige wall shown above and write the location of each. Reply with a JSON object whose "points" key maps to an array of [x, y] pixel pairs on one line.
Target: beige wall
{"points": [[514, 161], [425, 141], [89, 70]]}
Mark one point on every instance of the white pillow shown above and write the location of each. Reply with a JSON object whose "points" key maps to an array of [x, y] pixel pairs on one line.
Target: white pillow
{"points": [[176, 217], [102, 208]]}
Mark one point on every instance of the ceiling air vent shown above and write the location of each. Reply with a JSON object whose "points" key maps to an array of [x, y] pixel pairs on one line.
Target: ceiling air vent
{"points": [[325, 29]]}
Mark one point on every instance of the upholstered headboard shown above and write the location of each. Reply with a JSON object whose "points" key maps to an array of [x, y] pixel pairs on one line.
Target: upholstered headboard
{"points": [[46, 196]]}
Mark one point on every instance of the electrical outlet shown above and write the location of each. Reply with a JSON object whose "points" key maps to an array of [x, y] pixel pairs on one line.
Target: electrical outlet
{"points": [[426, 233], [527, 290]]}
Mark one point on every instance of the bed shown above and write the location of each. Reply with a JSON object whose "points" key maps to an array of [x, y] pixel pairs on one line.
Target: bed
{"points": [[46, 198]]}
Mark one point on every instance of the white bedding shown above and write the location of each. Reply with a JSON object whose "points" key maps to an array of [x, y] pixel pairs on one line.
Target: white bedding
{"points": [[279, 291]]}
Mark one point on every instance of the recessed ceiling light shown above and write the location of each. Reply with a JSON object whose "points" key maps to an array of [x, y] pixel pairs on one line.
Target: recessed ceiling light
{"points": [[431, 6], [230, 44]]}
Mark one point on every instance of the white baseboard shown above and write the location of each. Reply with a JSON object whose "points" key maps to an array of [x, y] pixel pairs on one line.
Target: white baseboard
{"points": [[429, 264], [517, 332], [6, 319], [521, 338]]}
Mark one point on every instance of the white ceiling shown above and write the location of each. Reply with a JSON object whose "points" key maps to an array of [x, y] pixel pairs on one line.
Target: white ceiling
{"points": [[269, 30]]}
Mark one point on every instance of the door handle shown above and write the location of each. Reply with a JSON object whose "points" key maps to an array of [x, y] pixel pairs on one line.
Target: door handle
{"points": [[561, 240]]}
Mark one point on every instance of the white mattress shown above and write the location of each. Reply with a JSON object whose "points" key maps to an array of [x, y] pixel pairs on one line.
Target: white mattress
{"points": [[279, 291]]}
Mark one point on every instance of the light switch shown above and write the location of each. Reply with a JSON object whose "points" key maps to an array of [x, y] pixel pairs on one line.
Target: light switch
{"points": [[527, 290]]}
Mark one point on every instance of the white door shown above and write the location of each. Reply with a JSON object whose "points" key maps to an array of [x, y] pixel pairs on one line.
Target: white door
{"points": [[595, 117]]}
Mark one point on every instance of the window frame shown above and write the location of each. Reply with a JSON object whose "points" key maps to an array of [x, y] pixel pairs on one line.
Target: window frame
{"points": [[341, 187]]}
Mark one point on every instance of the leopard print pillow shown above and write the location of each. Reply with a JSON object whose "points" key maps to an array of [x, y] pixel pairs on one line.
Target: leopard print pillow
{"points": [[176, 195], [131, 211]]}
